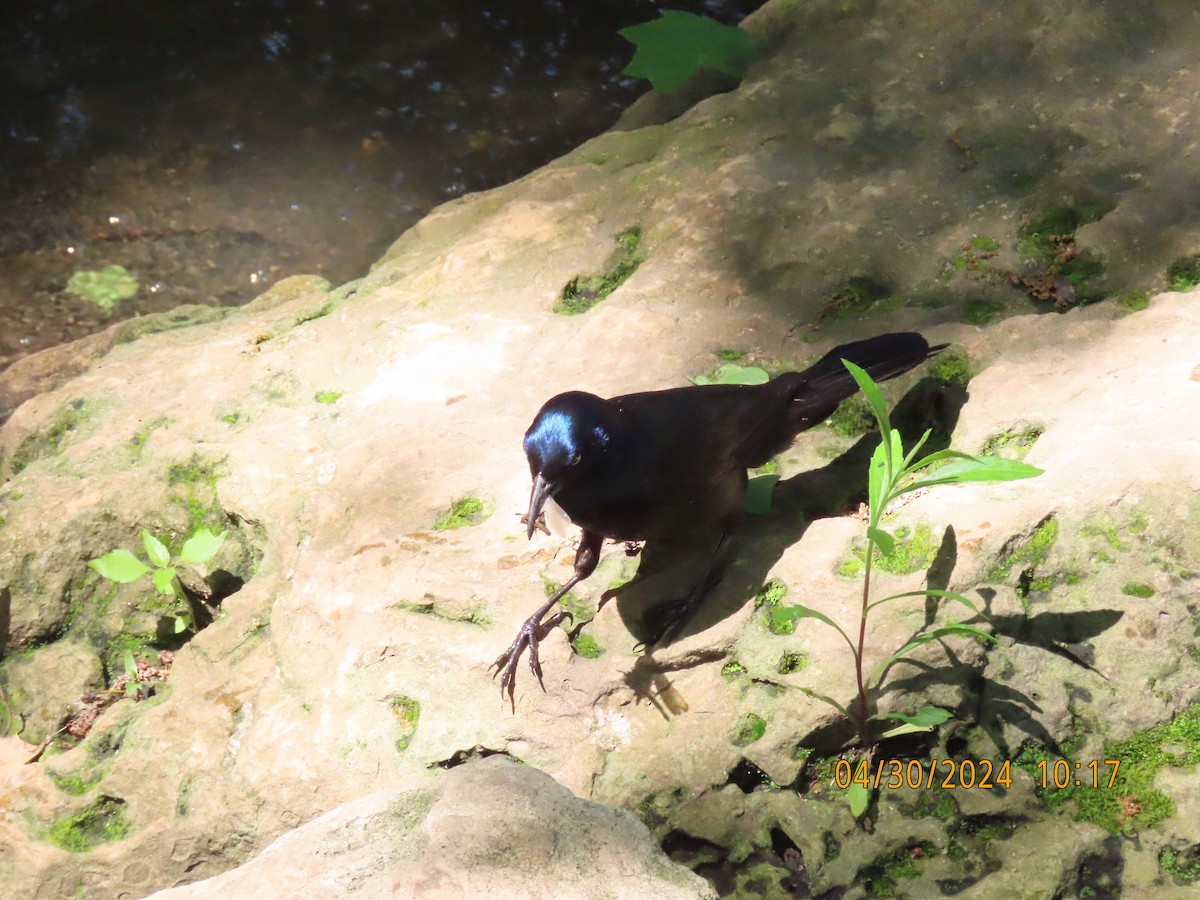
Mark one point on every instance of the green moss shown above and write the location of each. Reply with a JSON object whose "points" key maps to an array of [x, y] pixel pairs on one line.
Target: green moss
{"points": [[138, 441], [1136, 589], [429, 605], [1133, 802], [583, 292], [852, 418], [733, 669], [51, 441], [75, 784], [770, 467], [854, 297], [1135, 301], [972, 259], [750, 728], [1106, 530], [1041, 236], [1028, 553], [1012, 444], [1181, 864], [316, 312], [730, 355], [236, 419], [464, 513], [1183, 274], [984, 244], [329, 397], [981, 312], [585, 645], [408, 713], [571, 603], [768, 599], [155, 323], [915, 548], [951, 367], [183, 800], [790, 663], [103, 822], [881, 877]]}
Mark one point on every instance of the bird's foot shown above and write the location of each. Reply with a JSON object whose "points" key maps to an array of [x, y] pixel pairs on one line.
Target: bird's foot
{"points": [[531, 634]]}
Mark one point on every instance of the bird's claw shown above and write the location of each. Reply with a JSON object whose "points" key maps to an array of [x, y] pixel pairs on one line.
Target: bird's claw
{"points": [[531, 634]]}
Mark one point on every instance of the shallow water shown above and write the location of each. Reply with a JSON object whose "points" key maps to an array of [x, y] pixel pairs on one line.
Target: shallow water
{"points": [[213, 148]]}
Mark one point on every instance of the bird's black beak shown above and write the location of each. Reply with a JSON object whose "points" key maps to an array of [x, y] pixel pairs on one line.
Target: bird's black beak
{"points": [[542, 491]]}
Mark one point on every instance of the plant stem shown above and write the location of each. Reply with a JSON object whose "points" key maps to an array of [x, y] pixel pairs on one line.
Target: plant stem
{"points": [[862, 640]]}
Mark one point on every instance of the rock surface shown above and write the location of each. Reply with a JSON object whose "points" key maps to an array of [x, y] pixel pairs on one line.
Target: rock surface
{"points": [[329, 430], [489, 828]]}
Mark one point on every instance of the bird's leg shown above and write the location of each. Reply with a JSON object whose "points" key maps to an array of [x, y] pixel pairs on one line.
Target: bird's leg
{"points": [[534, 629], [675, 615]]}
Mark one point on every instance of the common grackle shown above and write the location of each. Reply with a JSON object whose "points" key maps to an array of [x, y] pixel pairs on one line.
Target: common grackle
{"points": [[662, 463]]}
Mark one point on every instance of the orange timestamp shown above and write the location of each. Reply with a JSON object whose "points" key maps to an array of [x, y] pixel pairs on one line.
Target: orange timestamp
{"points": [[968, 774]]}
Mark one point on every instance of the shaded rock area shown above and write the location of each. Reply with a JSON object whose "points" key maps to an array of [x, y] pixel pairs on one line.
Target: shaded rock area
{"points": [[489, 828], [330, 431]]}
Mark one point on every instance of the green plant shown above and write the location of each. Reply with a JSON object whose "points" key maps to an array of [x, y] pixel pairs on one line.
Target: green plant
{"points": [[671, 49], [124, 567], [105, 287], [892, 474]]}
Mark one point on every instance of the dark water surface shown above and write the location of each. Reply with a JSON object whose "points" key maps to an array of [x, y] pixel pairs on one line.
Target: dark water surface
{"points": [[212, 148]]}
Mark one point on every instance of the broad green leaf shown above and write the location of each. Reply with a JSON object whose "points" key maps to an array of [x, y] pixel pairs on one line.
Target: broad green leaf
{"points": [[882, 539], [976, 468], [731, 373], [671, 49], [877, 486], [182, 623], [120, 566], [931, 592], [758, 494], [157, 553], [201, 546], [859, 798], [927, 718], [164, 580], [797, 611], [943, 631]]}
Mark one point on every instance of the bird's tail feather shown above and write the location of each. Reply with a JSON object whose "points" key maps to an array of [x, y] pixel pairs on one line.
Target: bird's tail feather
{"points": [[826, 383]]}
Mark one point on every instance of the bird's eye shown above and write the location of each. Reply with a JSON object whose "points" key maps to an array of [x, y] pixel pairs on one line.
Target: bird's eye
{"points": [[574, 461]]}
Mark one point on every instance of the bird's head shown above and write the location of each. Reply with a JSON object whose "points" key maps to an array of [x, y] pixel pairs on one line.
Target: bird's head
{"points": [[567, 437]]}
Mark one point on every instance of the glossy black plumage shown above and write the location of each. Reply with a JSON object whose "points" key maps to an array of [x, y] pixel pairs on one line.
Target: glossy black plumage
{"points": [[660, 463]]}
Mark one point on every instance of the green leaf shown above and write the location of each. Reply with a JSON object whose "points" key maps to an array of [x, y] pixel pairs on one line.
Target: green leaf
{"points": [[671, 49], [120, 566], [731, 373], [758, 494], [877, 483], [924, 720], [874, 397], [932, 592], [201, 546], [943, 631], [158, 554], [182, 623], [884, 541], [826, 699], [164, 580], [131, 686], [916, 448], [797, 611], [858, 797], [975, 468]]}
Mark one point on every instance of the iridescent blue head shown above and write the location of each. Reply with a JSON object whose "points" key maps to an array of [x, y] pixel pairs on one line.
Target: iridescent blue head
{"points": [[567, 432]]}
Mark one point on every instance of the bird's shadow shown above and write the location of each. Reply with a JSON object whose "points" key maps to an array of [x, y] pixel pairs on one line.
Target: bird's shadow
{"points": [[669, 568]]}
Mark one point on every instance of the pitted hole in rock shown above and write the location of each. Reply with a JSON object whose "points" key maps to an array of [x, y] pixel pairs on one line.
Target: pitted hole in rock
{"points": [[695, 853], [464, 756], [748, 777]]}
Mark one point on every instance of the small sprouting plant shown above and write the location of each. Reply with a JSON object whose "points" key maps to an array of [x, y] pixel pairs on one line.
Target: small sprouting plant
{"points": [[123, 567], [892, 474]]}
